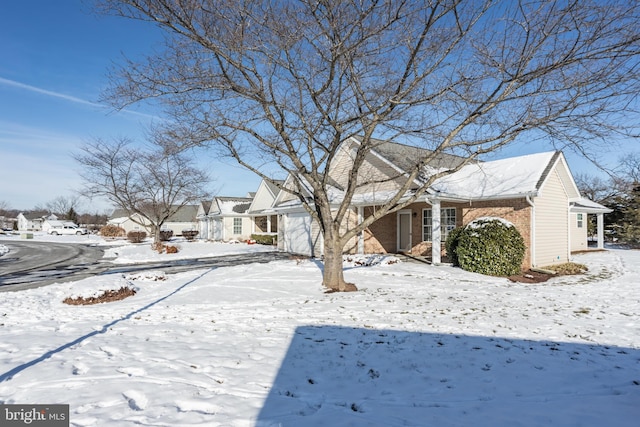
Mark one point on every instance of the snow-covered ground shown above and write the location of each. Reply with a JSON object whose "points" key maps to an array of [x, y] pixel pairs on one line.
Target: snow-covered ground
{"points": [[263, 345]]}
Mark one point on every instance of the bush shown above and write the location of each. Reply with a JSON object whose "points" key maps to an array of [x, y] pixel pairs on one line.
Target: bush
{"points": [[136, 236], [451, 244], [189, 234], [490, 246], [111, 230], [264, 239], [166, 235], [171, 249]]}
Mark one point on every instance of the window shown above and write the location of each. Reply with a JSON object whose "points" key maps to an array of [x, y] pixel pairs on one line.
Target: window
{"points": [[237, 225], [447, 223], [579, 220]]}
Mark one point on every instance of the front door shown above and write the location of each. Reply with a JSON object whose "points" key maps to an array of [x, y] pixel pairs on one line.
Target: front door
{"points": [[404, 231]]}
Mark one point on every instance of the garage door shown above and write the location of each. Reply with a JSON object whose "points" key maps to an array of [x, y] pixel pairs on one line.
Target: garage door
{"points": [[297, 234]]}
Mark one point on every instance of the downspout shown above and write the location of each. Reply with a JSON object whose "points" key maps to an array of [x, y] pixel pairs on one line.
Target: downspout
{"points": [[532, 232]]}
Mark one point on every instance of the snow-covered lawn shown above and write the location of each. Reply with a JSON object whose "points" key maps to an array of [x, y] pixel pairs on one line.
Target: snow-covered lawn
{"points": [[263, 345]]}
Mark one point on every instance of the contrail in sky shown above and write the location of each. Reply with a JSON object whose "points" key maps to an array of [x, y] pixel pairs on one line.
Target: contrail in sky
{"points": [[70, 98]]}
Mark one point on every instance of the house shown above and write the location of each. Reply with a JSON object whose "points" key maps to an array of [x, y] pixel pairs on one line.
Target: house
{"points": [[265, 219], [535, 192], [226, 219], [33, 221], [183, 219]]}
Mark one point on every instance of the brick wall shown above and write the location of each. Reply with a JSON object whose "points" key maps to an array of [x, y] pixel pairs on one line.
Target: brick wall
{"points": [[381, 236]]}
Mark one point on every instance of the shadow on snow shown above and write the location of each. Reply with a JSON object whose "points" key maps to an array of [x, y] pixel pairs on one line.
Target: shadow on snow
{"points": [[365, 377], [12, 372]]}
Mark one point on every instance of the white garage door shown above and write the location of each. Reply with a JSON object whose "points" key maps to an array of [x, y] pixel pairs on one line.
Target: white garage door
{"points": [[297, 234]]}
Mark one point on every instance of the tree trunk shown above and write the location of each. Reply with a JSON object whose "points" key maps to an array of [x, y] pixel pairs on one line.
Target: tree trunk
{"points": [[333, 277], [155, 229]]}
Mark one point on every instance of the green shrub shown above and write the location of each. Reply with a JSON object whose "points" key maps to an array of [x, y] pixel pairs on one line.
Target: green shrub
{"points": [[451, 244], [264, 239], [166, 235], [111, 230], [189, 234], [490, 246], [136, 236]]}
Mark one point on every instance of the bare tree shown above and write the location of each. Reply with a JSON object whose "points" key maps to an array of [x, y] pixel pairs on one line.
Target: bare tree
{"points": [[630, 168], [150, 185], [286, 82], [61, 206], [4, 207], [597, 188]]}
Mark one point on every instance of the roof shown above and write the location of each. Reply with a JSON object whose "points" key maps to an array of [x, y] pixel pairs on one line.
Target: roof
{"points": [[206, 206], [585, 205], [273, 187], [511, 177], [231, 205], [37, 215], [185, 213], [404, 156]]}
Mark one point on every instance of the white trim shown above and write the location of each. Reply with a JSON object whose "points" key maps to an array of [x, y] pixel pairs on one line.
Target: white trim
{"points": [[409, 213], [532, 231], [436, 232], [361, 234], [600, 220]]}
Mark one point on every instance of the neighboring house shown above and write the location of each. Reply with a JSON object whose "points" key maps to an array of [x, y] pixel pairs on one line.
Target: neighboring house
{"points": [[227, 219], [265, 219], [33, 221], [183, 219], [201, 219], [535, 192]]}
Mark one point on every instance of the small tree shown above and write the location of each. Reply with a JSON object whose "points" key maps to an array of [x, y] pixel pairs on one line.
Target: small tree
{"points": [[150, 185]]}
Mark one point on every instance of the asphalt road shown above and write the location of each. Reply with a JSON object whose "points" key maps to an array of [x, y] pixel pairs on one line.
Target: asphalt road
{"points": [[34, 264]]}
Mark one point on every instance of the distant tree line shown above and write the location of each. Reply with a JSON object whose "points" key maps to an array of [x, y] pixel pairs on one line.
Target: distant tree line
{"points": [[621, 193], [65, 208]]}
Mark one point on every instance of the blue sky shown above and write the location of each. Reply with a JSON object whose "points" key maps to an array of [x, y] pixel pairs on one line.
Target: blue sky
{"points": [[53, 68], [54, 61]]}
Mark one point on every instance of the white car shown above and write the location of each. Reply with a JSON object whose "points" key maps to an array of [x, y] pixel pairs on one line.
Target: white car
{"points": [[67, 230]]}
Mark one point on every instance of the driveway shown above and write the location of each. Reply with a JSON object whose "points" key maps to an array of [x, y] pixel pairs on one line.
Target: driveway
{"points": [[34, 264]]}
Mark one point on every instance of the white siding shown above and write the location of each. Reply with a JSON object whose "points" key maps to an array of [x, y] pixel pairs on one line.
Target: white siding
{"points": [[552, 222], [578, 235], [298, 233], [247, 227], [372, 171], [263, 198]]}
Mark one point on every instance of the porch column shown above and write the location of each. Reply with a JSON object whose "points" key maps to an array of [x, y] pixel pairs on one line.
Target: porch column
{"points": [[360, 234], [268, 223], [600, 231], [435, 232]]}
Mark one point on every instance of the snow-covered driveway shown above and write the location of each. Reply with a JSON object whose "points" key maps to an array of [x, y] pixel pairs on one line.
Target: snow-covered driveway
{"points": [[263, 345]]}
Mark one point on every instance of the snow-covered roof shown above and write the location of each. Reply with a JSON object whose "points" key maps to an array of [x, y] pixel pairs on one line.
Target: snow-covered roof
{"points": [[515, 176], [231, 205], [588, 206]]}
